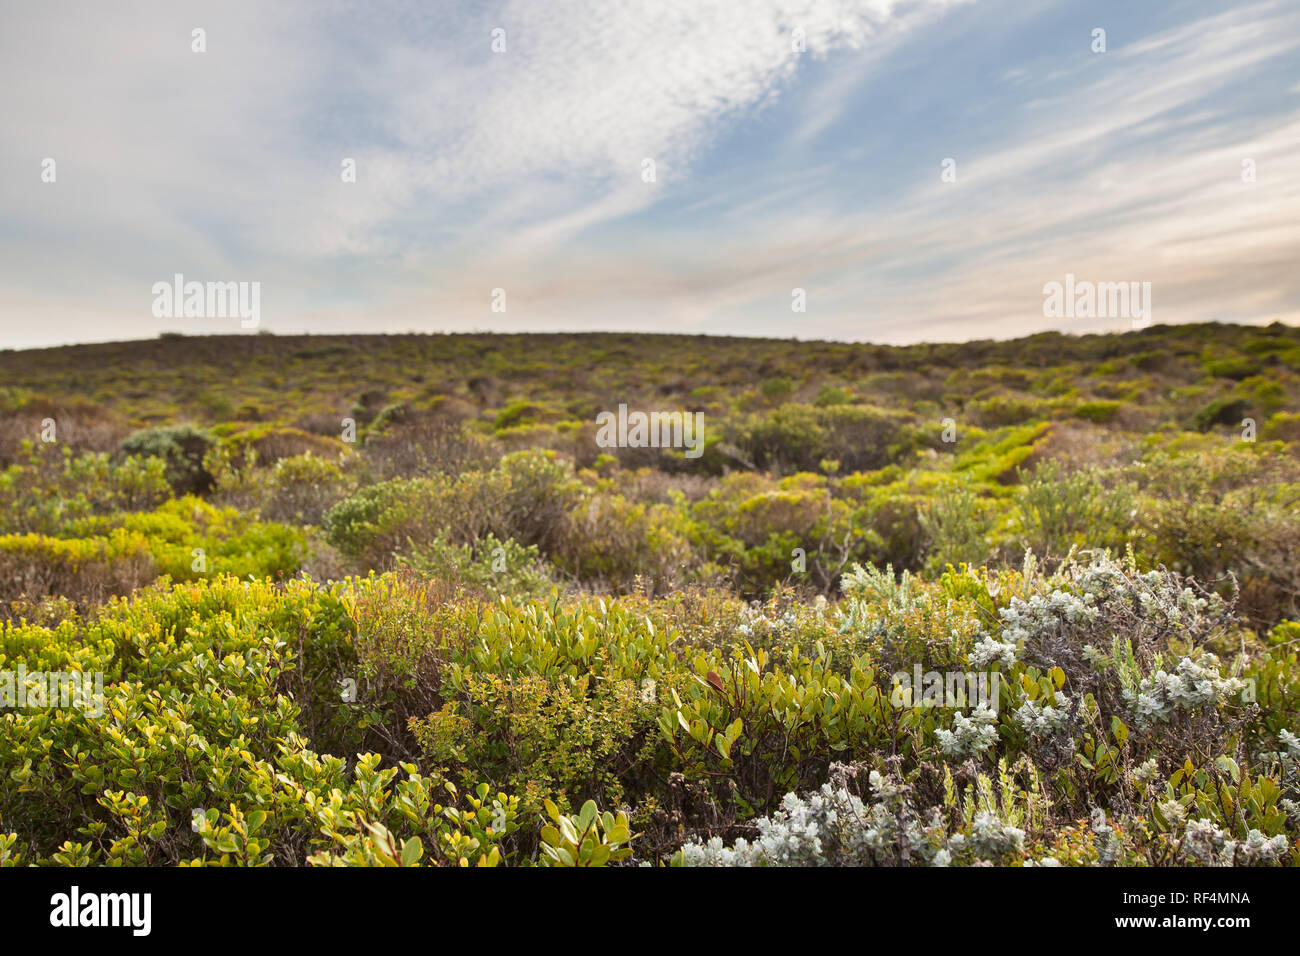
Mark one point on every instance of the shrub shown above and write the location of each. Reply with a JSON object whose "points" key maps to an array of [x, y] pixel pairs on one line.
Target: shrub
{"points": [[722, 671], [527, 497], [49, 489], [303, 488], [1058, 510], [373, 523], [615, 544], [998, 410], [1232, 513], [189, 538], [424, 444], [1282, 427], [488, 565], [89, 570], [182, 448], [1234, 366], [956, 526], [755, 526], [834, 827], [797, 437], [1098, 411], [491, 720], [1221, 411]]}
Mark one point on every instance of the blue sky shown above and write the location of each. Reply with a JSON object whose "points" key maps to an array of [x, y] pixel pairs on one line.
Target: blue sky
{"points": [[521, 170]]}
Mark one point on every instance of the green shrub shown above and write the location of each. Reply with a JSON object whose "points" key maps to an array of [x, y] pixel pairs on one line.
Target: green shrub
{"points": [[301, 489], [182, 448], [1282, 427], [776, 388], [797, 437], [488, 565], [613, 543], [1225, 516], [221, 696], [189, 538], [1057, 510], [50, 489], [1098, 411], [832, 395], [1234, 367], [1221, 411], [374, 522], [957, 526], [999, 410], [715, 653]]}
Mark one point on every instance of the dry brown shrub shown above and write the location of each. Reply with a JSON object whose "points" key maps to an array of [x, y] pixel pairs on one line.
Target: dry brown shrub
{"points": [[26, 579]]}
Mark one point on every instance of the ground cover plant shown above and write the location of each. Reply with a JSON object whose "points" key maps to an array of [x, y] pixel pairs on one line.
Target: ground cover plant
{"points": [[385, 600]]}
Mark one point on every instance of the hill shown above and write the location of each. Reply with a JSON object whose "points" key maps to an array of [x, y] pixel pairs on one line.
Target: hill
{"points": [[971, 594]]}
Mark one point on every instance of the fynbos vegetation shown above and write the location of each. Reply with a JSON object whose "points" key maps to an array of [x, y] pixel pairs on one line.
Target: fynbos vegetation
{"points": [[410, 600]]}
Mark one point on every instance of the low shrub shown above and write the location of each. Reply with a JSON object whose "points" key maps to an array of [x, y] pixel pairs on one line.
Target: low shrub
{"points": [[182, 448], [87, 570]]}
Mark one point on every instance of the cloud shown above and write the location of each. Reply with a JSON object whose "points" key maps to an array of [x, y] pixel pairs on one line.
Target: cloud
{"points": [[522, 169], [1126, 167], [227, 162], [547, 137]]}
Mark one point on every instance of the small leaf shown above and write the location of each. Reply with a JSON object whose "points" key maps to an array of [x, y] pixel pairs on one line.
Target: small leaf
{"points": [[412, 850]]}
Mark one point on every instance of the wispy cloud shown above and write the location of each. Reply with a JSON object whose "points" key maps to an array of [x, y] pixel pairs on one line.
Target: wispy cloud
{"points": [[774, 167]]}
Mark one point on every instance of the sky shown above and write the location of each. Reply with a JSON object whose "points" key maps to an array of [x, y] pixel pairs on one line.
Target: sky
{"points": [[919, 169]]}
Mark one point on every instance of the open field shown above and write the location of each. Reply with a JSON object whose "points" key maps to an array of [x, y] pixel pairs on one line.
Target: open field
{"points": [[377, 599]]}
